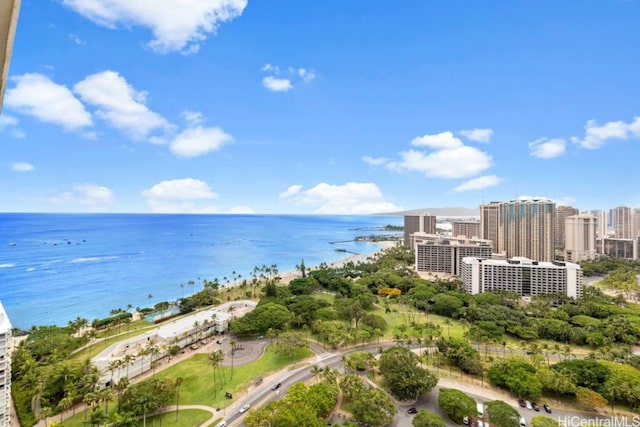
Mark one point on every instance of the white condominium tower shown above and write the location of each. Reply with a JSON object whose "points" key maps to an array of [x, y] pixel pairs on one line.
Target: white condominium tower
{"points": [[580, 238], [522, 276], [5, 368]]}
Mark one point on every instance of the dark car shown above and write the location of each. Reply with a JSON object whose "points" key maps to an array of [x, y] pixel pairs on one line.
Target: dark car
{"points": [[412, 411], [535, 406], [276, 386], [521, 403], [547, 408]]}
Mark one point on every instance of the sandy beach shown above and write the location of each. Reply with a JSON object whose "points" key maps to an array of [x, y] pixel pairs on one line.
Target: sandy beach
{"points": [[288, 276]]}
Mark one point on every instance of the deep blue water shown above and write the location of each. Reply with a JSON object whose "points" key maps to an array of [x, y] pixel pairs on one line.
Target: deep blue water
{"points": [[55, 267]]}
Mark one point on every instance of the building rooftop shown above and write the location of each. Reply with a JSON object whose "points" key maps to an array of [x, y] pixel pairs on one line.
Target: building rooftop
{"points": [[8, 21]]}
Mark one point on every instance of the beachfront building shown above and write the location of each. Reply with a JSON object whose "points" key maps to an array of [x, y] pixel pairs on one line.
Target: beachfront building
{"points": [[522, 276], [5, 368], [444, 254], [189, 330], [423, 223], [580, 238], [8, 21], [468, 229]]}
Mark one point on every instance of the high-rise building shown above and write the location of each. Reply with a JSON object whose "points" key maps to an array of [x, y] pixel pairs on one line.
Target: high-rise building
{"points": [[522, 276], [468, 229], [524, 227], [622, 222], [561, 213], [580, 238], [490, 223], [8, 21], [444, 254], [5, 368], [423, 223]]}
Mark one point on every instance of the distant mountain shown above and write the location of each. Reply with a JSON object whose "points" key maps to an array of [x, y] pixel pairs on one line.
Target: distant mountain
{"points": [[446, 212]]}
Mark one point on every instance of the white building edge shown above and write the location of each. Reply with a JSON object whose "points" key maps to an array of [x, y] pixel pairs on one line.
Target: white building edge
{"points": [[8, 21], [5, 368]]}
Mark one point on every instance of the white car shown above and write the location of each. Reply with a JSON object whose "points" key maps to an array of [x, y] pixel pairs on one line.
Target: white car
{"points": [[244, 408]]}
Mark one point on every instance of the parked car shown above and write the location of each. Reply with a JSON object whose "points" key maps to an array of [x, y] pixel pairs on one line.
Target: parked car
{"points": [[535, 406], [412, 411], [244, 408], [521, 403], [528, 404], [465, 420], [276, 386], [523, 422], [547, 408]]}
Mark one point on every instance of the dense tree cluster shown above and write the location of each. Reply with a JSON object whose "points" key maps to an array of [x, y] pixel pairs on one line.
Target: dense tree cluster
{"points": [[306, 406], [402, 374]]}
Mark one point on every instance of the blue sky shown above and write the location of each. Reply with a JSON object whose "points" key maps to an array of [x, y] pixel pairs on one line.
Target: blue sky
{"points": [[339, 107]]}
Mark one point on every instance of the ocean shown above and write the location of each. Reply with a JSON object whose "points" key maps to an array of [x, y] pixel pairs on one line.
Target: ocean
{"points": [[55, 267]]}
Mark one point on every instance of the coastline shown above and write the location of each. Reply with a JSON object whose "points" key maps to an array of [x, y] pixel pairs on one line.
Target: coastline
{"points": [[288, 276]]}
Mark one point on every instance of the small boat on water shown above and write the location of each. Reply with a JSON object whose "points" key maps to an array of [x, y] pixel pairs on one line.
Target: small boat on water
{"points": [[11, 244], [341, 250]]}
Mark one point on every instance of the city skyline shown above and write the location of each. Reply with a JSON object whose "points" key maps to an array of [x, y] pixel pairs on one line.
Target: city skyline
{"points": [[242, 107]]}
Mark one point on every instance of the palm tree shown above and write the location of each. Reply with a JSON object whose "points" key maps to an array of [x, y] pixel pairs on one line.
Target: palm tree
{"points": [[178, 383], [315, 371], [215, 359], [233, 350], [150, 297], [64, 405]]}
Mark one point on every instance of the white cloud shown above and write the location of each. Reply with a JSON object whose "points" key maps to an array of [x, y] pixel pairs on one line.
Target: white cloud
{"points": [[38, 96], [277, 85], [291, 191], [350, 198], [180, 195], [374, 161], [77, 40], [545, 148], [460, 162], [478, 135], [306, 75], [120, 104], [22, 167], [177, 25], [478, 183], [595, 136], [6, 121], [193, 118], [269, 67], [94, 196], [437, 141], [194, 142]]}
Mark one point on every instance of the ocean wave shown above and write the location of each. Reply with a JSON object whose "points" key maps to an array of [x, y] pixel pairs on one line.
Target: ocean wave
{"points": [[92, 259], [8, 265]]}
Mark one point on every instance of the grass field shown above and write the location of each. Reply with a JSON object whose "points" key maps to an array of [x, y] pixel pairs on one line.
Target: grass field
{"points": [[198, 382], [186, 418]]}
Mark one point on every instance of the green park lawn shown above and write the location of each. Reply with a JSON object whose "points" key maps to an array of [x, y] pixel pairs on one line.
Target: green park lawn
{"points": [[186, 417], [197, 374]]}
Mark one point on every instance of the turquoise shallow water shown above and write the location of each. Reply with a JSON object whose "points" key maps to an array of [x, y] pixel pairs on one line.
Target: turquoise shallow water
{"points": [[54, 267]]}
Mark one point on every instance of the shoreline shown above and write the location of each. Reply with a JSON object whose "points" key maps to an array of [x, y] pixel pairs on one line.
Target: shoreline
{"points": [[288, 276]]}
